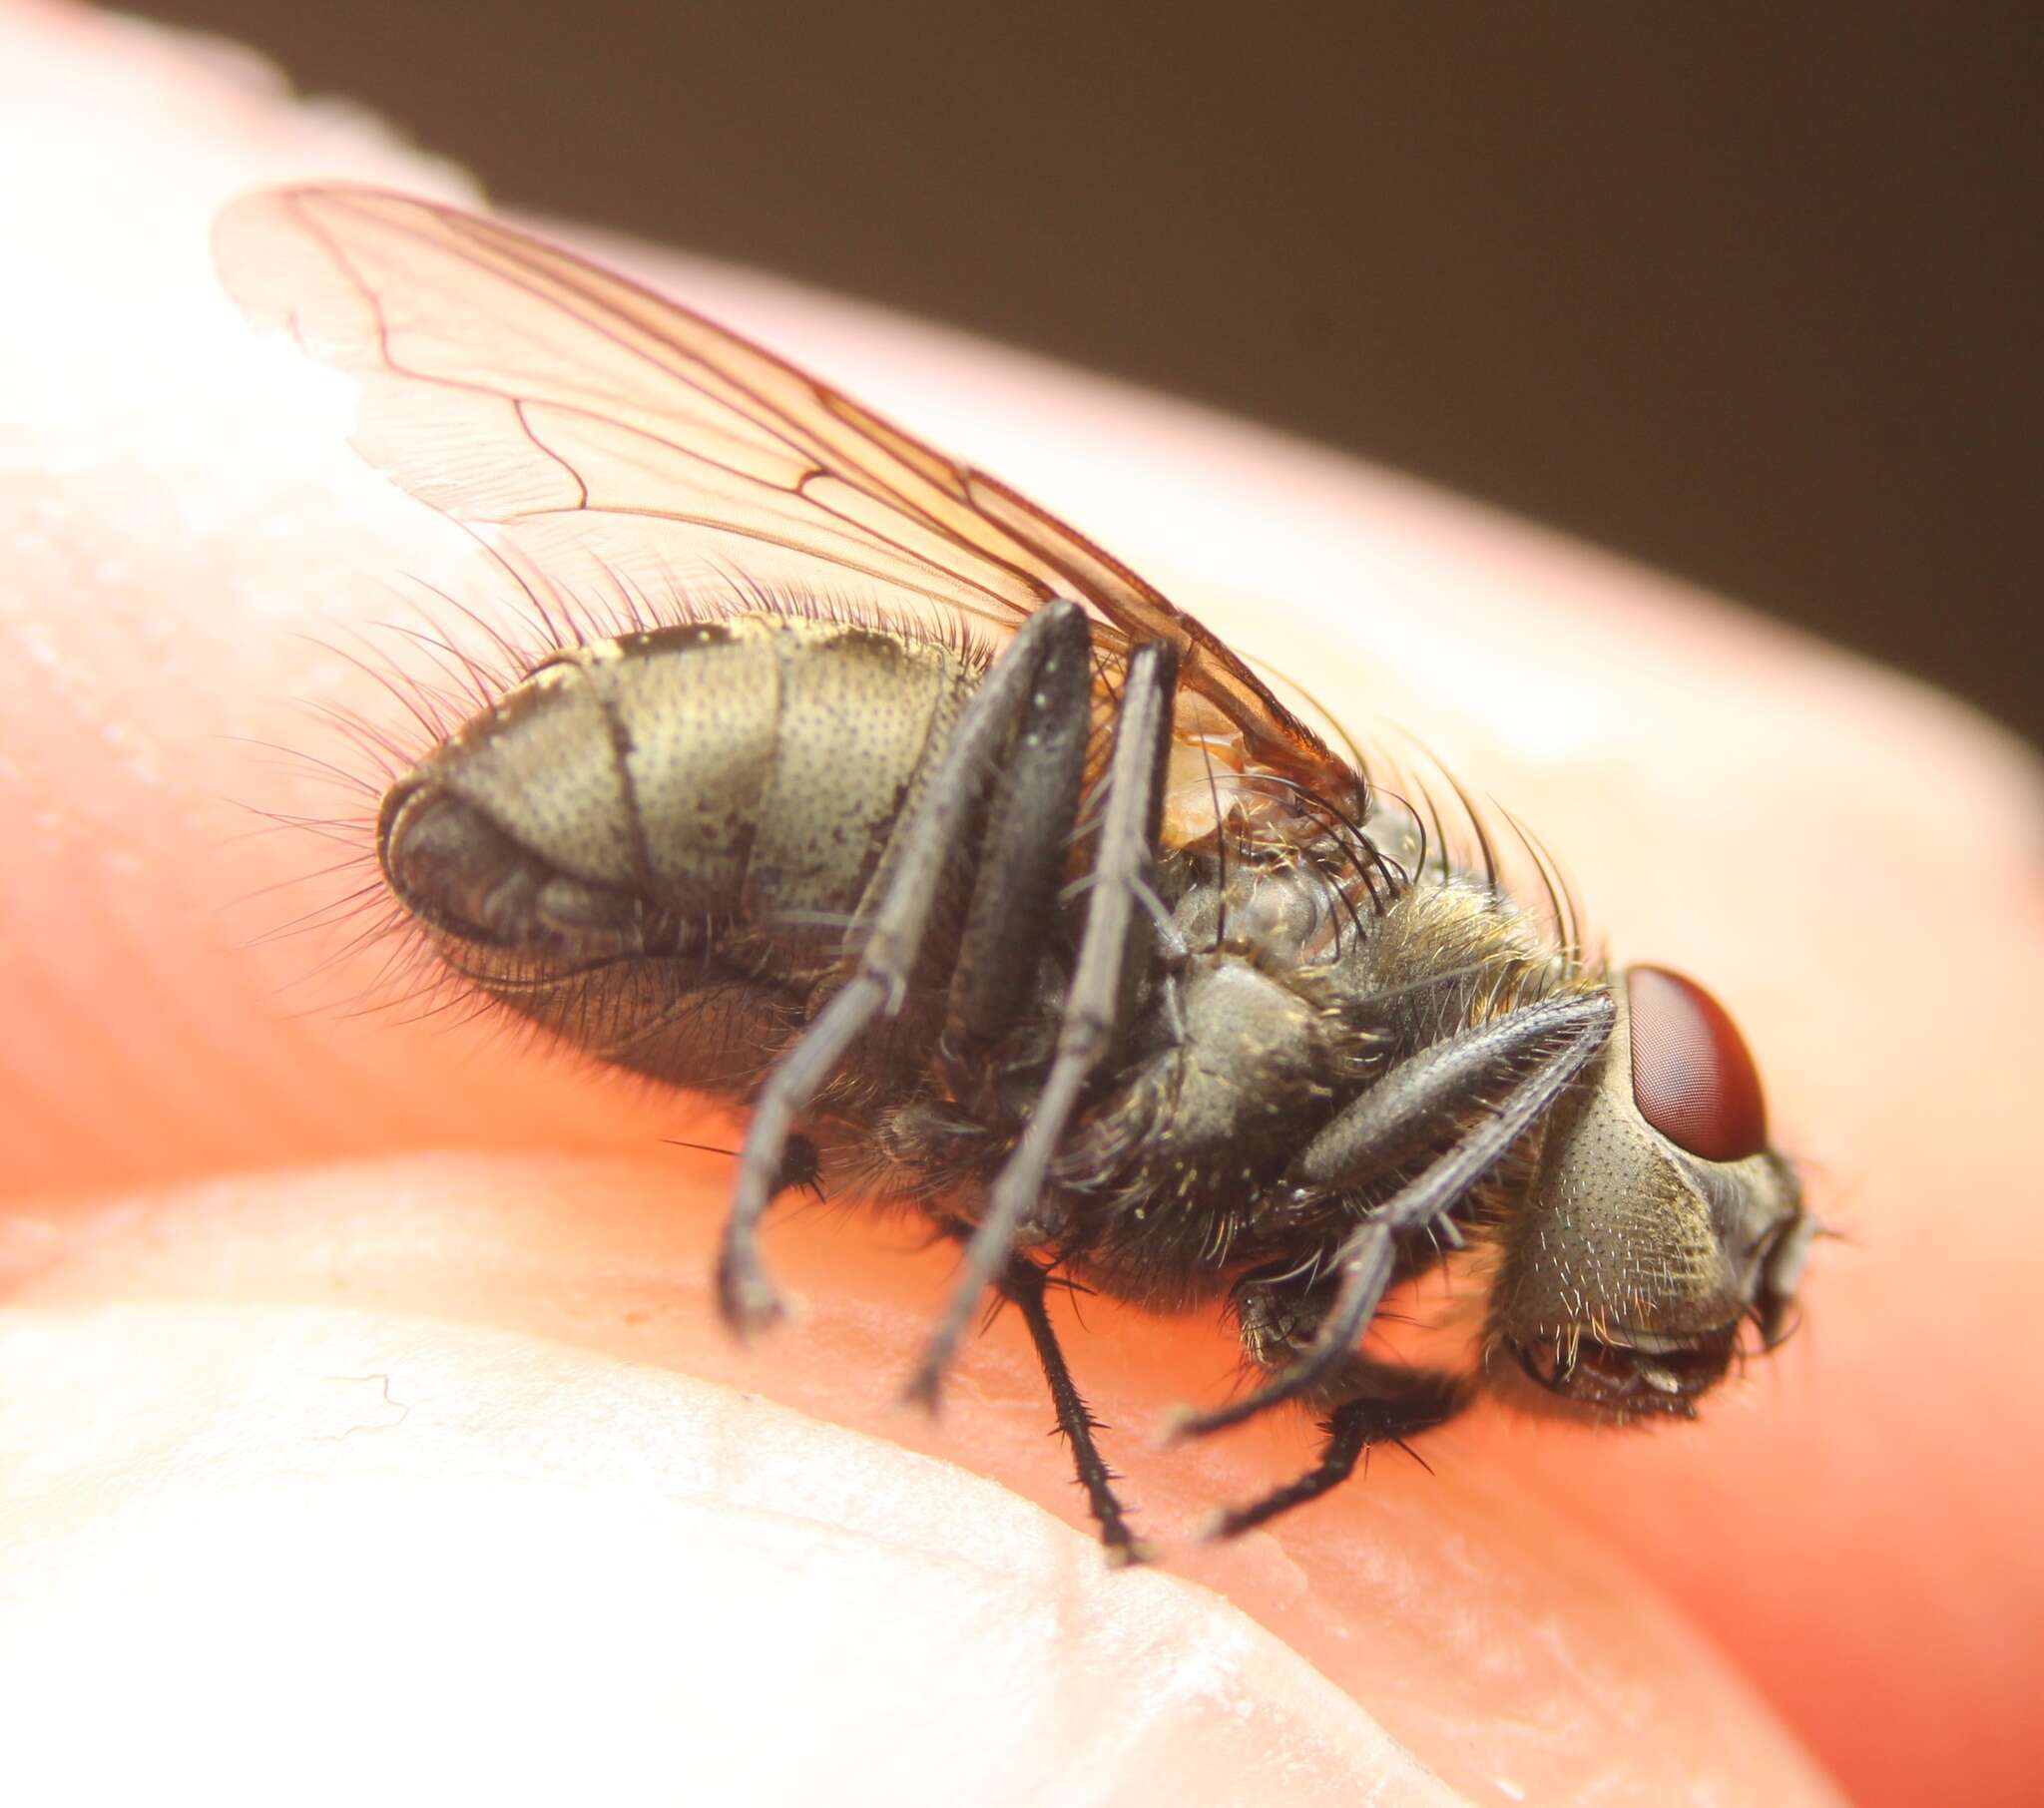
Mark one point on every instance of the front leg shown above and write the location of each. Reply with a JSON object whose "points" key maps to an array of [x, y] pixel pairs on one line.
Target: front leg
{"points": [[1556, 1038], [1350, 1429], [1367, 1402]]}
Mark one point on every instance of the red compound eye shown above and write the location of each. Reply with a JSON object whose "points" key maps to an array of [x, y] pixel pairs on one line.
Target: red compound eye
{"points": [[1693, 1078]]}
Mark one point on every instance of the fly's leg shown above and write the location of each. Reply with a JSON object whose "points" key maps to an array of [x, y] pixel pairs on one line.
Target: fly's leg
{"points": [[1350, 1430], [1405, 1110], [1111, 962], [801, 1169], [1005, 700], [1368, 1402], [1024, 1284], [1013, 910], [1538, 1051]]}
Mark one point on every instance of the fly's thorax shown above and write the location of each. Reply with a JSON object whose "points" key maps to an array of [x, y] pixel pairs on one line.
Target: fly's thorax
{"points": [[643, 795], [1293, 988], [1279, 905], [1446, 955], [1629, 1264], [1237, 1048]]}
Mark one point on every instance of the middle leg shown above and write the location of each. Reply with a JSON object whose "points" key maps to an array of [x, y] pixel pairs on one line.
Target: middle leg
{"points": [[1568, 1032], [1101, 998]]}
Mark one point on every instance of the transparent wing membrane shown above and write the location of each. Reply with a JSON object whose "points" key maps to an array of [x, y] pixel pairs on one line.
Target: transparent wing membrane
{"points": [[584, 423]]}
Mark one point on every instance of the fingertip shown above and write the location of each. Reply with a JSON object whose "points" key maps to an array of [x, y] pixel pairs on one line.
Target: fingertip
{"points": [[735, 1542]]}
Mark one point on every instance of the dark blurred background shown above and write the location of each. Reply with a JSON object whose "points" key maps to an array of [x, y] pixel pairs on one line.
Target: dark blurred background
{"points": [[1748, 290]]}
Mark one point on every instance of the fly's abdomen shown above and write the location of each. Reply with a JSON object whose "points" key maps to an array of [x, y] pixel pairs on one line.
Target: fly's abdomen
{"points": [[689, 798]]}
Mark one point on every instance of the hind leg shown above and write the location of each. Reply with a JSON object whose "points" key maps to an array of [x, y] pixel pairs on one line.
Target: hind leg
{"points": [[1026, 1285]]}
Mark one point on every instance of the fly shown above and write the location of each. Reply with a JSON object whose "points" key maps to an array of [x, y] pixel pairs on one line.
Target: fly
{"points": [[995, 885]]}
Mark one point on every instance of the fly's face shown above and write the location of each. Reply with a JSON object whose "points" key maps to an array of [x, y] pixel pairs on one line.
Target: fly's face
{"points": [[1661, 1222]]}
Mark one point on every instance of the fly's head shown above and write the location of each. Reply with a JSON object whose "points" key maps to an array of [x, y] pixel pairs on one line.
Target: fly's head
{"points": [[1661, 1223]]}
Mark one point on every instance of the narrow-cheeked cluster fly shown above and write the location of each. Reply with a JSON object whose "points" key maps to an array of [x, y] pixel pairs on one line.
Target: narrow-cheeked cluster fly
{"points": [[995, 885]]}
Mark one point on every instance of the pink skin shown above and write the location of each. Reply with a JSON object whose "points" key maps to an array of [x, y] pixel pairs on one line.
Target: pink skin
{"points": [[363, 1408]]}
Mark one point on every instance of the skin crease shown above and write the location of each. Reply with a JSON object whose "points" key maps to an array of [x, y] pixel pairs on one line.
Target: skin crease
{"points": [[363, 1416]]}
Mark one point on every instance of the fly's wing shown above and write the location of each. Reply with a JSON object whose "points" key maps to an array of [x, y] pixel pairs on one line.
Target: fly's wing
{"points": [[571, 415]]}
